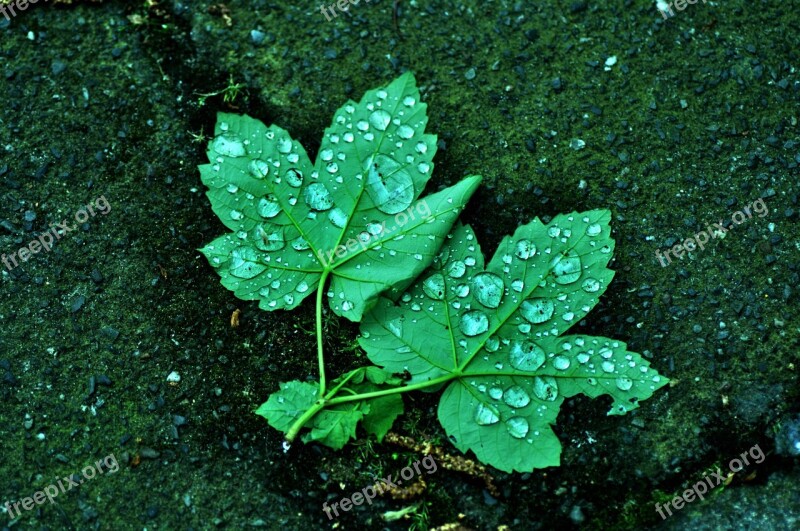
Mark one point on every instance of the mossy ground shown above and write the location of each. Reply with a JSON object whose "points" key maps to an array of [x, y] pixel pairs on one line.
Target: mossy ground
{"points": [[696, 119]]}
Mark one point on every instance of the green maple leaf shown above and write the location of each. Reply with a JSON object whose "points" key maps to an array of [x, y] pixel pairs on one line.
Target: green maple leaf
{"points": [[494, 336], [336, 425], [355, 215]]}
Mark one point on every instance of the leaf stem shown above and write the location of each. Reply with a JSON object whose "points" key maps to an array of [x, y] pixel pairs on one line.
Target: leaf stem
{"points": [[320, 348], [304, 418], [407, 388], [327, 401], [318, 406]]}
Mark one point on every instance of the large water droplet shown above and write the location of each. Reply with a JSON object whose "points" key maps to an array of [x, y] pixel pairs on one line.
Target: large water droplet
{"points": [[268, 207], [561, 363], [245, 263], [389, 185], [474, 323], [516, 397], [405, 132], [302, 287], [594, 229], [374, 228], [456, 269], [518, 427], [525, 249], [624, 384], [486, 414], [300, 244], [488, 289], [433, 286], [318, 197], [229, 145], [380, 119], [566, 268], [294, 178], [395, 326], [269, 238], [284, 145], [608, 366], [462, 290], [236, 215], [545, 388], [338, 217], [537, 310], [526, 355], [258, 168], [492, 344], [590, 285], [496, 393]]}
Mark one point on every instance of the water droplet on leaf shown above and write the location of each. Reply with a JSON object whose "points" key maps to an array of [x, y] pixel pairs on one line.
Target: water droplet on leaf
{"points": [[229, 145], [526, 355], [518, 427], [624, 384], [433, 286], [516, 397], [537, 310], [486, 414], [566, 268], [545, 388], [318, 197], [488, 289], [380, 119], [338, 217], [389, 185], [473, 323], [268, 207]]}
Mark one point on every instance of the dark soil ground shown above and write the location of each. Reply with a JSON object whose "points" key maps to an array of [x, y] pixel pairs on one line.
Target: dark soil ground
{"points": [[680, 124]]}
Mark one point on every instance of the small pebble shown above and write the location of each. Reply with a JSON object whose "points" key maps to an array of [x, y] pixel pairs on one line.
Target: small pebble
{"points": [[257, 36], [57, 67], [577, 144]]}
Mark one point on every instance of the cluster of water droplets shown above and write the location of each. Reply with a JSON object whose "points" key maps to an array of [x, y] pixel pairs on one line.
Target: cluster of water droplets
{"points": [[273, 162], [388, 129], [606, 361], [565, 269]]}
